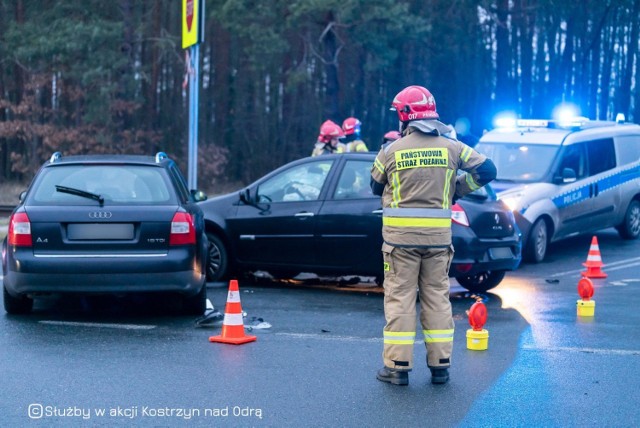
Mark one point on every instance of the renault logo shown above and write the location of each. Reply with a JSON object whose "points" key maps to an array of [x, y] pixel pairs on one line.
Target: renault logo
{"points": [[100, 214], [496, 218]]}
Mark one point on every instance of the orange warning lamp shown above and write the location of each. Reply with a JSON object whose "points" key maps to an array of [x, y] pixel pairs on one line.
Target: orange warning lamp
{"points": [[477, 316], [585, 289]]}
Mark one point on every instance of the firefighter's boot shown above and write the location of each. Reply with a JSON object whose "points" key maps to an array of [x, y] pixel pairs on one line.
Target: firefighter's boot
{"points": [[396, 377], [439, 376]]}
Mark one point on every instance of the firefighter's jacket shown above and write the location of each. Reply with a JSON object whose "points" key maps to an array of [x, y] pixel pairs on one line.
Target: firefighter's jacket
{"points": [[326, 149], [356, 146], [417, 179]]}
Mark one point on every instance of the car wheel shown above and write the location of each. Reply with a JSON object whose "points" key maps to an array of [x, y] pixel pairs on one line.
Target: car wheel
{"points": [[16, 305], [217, 259], [630, 227], [195, 305], [536, 248], [482, 281]]}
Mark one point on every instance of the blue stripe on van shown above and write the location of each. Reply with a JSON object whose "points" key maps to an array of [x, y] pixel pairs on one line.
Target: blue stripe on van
{"points": [[605, 183]]}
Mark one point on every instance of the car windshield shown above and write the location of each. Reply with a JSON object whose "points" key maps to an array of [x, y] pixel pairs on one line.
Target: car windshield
{"points": [[519, 162], [117, 184]]}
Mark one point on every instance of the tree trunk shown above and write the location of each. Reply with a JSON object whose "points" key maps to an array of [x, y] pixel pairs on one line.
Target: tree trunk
{"points": [[503, 57], [624, 91]]}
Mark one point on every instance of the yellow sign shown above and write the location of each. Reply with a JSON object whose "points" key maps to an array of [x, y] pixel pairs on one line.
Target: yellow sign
{"points": [[192, 16], [421, 158]]}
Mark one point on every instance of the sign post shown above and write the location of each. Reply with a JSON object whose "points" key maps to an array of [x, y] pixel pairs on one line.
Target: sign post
{"points": [[192, 36]]}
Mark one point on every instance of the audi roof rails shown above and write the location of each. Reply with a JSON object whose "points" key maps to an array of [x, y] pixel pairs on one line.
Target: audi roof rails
{"points": [[160, 156], [55, 157]]}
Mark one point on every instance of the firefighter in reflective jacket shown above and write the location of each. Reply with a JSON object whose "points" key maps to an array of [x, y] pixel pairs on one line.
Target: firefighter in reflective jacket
{"points": [[352, 141], [416, 176], [329, 139]]}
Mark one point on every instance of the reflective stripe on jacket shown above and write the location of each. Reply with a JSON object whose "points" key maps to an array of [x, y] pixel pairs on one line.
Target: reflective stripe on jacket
{"points": [[419, 174]]}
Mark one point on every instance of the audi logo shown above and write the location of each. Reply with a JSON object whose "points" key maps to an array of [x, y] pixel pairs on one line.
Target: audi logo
{"points": [[100, 214]]}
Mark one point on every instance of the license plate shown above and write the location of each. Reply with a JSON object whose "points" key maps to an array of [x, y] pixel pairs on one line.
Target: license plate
{"points": [[98, 231], [500, 253]]}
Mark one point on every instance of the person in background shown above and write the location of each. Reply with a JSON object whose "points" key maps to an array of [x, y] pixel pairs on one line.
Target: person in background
{"points": [[329, 139], [352, 140], [390, 137], [416, 176]]}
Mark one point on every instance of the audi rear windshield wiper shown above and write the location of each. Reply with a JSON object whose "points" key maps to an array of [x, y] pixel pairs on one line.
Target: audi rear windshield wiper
{"points": [[81, 193]]}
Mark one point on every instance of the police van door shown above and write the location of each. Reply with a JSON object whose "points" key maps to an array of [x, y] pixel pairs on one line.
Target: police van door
{"points": [[573, 199], [605, 186]]}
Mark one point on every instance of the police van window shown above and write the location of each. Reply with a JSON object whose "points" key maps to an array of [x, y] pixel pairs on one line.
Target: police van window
{"points": [[602, 156], [354, 181], [519, 162], [627, 149], [574, 157]]}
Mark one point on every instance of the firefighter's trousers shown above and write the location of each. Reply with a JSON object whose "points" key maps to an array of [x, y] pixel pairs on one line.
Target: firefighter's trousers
{"points": [[407, 272]]}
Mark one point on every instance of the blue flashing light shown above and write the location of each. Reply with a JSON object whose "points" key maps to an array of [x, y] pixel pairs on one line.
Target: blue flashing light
{"points": [[505, 120]]}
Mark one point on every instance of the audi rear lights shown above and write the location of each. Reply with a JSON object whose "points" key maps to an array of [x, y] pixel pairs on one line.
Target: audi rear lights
{"points": [[20, 230], [183, 231], [459, 216]]}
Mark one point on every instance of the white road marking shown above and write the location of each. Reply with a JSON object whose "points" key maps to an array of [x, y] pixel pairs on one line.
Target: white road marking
{"points": [[331, 337], [582, 350], [622, 264], [99, 325]]}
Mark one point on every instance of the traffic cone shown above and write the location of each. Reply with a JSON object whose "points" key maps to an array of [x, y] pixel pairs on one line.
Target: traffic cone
{"points": [[594, 262], [233, 324]]}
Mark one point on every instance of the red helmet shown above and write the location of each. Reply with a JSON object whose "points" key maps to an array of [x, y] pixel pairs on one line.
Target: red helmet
{"points": [[351, 125], [391, 136], [414, 103], [329, 130]]}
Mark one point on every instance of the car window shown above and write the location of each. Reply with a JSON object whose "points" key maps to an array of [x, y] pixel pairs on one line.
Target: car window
{"points": [[519, 162], [574, 157], [118, 184], [180, 183], [628, 149], [354, 181], [299, 183], [602, 156]]}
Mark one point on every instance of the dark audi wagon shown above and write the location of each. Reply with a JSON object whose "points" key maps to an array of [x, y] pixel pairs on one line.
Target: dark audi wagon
{"points": [[106, 224]]}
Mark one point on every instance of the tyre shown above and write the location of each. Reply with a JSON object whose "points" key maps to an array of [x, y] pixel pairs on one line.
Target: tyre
{"points": [[536, 247], [195, 305], [16, 305], [217, 259], [482, 281], [630, 227]]}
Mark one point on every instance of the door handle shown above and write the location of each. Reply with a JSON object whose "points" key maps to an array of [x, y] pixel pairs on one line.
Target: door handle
{"points": [[304, 214], [379, 211]]}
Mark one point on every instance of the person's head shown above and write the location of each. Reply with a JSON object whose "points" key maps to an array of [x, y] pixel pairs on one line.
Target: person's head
{"points": [[391, 136], [330, 132], [351, 127], [414, 103]]}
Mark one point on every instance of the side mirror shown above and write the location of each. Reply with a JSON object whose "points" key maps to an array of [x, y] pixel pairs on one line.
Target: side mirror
{"points": [[198, 195], [245, 196], [569, 175]]}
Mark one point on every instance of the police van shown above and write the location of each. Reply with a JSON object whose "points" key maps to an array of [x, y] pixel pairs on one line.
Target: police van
{"points": [[562, 178]]}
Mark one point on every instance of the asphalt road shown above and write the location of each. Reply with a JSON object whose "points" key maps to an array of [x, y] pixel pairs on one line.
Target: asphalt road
{"points": [[315, 364]]}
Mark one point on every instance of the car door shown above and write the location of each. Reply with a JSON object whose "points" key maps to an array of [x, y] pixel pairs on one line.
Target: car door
{"points": [[573, 199], [605, 185], [279, 230], [349, 230]]}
